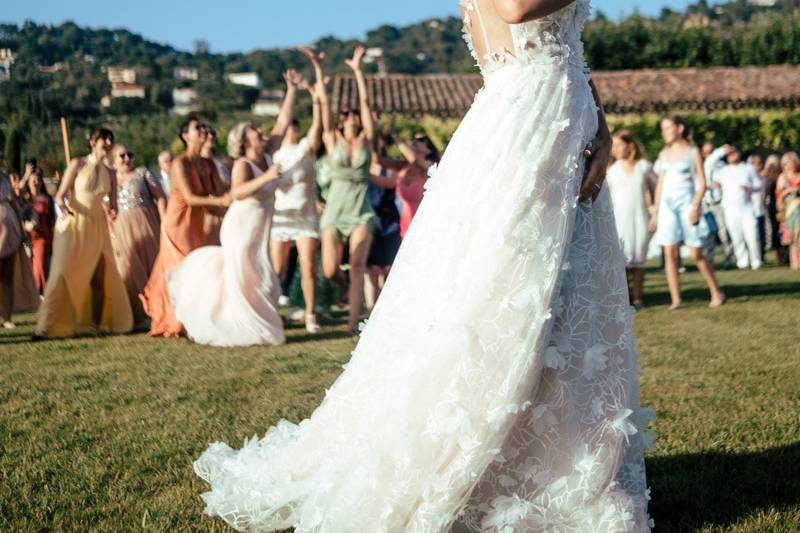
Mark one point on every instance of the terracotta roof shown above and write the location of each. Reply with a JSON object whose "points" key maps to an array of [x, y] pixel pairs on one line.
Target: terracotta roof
{"points": [[625, 91]]}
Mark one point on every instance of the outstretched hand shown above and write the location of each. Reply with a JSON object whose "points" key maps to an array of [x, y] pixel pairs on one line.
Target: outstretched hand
{"points": [[316, 59], [293, 78], [358, 56], [597, 154]]}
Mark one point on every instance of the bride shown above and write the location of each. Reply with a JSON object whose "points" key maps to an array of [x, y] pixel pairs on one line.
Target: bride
{"points": [[496, 386], [228, 295]]}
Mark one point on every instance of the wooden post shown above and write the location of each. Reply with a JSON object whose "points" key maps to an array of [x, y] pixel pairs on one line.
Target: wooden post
{"points": [[65, 139]]}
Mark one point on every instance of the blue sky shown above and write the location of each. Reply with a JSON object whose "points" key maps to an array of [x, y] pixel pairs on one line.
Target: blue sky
{"points": [[230, 25]]}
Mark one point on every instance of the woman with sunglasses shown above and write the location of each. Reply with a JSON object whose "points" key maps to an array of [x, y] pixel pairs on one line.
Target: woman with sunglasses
{"points": [[84, 291], [348, 216], [135, 234], [195, 183]]}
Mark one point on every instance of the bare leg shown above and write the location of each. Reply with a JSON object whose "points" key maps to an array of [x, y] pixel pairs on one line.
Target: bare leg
{"points": [[794, 255], [332, 251], [671, 255], [307, 251], [98, 292], [360, 241], [279, 253], [705, 268], [371, 287]]}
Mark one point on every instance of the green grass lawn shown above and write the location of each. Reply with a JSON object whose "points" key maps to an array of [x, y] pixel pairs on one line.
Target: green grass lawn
{"points": [[100, 433]]}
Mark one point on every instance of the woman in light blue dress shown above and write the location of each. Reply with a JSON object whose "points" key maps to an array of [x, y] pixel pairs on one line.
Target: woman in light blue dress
{"points": [[679, 217]]}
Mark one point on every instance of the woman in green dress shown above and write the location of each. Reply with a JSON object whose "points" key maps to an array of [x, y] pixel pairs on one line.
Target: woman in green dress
{"points": [[348, 216]]}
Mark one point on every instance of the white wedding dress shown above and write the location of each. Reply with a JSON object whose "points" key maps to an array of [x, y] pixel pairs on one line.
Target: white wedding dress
{"points": [[228, 295], [496, 386]]}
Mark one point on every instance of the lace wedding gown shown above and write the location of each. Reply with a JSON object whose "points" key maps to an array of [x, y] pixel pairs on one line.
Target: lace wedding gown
{"points": [[495, 387], [228, 295]]}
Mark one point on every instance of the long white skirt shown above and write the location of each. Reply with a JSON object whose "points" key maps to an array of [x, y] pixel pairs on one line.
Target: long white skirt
{"points": [[228, 295], [496, 384]]}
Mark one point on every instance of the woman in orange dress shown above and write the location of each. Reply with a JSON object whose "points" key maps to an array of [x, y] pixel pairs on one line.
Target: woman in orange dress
{"points": [[84, 291], [194, 178]]}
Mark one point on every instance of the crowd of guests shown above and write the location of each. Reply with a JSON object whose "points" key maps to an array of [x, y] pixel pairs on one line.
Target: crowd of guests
{"points": [[699, 199], [197, 247]]}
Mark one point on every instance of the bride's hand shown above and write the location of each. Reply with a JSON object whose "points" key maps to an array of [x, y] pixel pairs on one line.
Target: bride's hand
{"points": [[597, 154]]}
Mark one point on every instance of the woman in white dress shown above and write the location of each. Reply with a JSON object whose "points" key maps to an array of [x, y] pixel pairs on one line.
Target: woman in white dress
{"points": [[631, 182], [296, 218], [496, 385], [228, 295]]}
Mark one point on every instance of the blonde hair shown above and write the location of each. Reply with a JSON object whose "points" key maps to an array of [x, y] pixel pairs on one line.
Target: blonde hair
{"points": [[237, 139], [791, 157]]}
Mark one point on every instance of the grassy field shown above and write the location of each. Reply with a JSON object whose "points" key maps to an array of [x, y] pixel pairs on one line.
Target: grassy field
{"points": [[100, 433]]}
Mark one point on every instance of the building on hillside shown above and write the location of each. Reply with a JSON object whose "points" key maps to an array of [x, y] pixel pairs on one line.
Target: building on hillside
{"points": [[249, 79], [185, 101], [7, 58], [185, 73], [50, 69], [121, 75], [625, 91], [376, 55], [127, 90], [268, 103]]}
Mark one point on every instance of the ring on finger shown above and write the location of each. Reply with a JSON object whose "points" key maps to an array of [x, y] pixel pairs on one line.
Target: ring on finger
{"points": [[598, 186]]}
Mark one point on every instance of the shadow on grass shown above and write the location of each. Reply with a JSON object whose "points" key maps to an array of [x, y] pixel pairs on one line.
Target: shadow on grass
{"points": [[717, 489], [660, 296], [324, 335]]}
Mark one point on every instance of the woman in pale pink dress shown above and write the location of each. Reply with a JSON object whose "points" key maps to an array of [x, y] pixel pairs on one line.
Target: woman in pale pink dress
{"points": [[135, 233]]}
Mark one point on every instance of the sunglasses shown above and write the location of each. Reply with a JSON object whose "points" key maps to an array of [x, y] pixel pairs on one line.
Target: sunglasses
{"points": [[123, 155]]}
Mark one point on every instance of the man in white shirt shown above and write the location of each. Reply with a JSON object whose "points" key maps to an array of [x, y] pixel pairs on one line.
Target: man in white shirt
{"points": [[739, 182], [713, 161], [164, 164]]}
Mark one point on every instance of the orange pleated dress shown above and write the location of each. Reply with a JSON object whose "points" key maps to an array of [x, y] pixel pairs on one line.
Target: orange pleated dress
{"points": [[182, 231]]}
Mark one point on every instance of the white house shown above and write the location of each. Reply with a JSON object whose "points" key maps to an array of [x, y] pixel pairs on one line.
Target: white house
{"points": [[249, 79], [185, 73], [268, 103], [185, 101], [121, 75]]}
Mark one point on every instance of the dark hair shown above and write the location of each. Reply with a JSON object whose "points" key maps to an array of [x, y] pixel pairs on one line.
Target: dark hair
{"points": [[680, 121], [97, 134], [433, 154], [295, 123], [184, 127], [31, 161], [628, 138]]}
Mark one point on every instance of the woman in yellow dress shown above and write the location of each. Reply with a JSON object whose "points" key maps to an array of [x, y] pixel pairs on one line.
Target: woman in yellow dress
{"points": [[84, 291]]}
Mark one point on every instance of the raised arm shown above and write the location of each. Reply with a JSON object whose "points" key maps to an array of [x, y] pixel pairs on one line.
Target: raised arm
{"points": [[180, 179], [319, 96], [518, 11], [286, 113], [363, 95]]}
